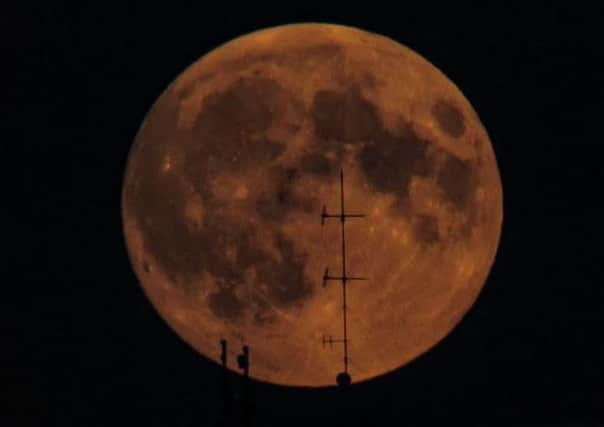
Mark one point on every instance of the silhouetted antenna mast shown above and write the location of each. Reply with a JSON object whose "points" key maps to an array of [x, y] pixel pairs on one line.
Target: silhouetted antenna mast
{"points": [[226, 410], [343, 378], [243, 361], [223, 354], [225, 392]]}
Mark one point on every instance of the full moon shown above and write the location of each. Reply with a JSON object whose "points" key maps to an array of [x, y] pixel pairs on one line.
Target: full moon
{"points": [[228, 175]]}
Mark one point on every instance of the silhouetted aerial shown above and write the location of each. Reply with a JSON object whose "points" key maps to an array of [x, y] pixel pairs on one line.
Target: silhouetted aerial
{"points": [[343, 379], [228, 411]]}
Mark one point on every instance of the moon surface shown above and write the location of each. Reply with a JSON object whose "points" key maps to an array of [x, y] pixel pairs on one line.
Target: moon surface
{"points": [[232, 165]]}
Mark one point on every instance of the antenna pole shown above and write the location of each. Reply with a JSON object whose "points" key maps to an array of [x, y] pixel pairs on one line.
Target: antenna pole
{"points": [[225, 392], [342, 378], [342, 221]]}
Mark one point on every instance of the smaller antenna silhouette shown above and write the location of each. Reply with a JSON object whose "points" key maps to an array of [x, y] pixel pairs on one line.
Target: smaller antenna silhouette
{"points": [[225, 391], [243, 361], [343, 379], [226, 411]]}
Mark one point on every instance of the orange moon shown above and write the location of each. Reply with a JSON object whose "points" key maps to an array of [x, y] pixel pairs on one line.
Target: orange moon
{"points": [[228, 174]]}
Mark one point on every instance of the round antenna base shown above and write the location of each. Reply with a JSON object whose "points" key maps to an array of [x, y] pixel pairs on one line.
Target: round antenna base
{"points": [[343, 379]]}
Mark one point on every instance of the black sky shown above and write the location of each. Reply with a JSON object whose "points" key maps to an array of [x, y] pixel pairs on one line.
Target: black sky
{"points": [[85, 347]]}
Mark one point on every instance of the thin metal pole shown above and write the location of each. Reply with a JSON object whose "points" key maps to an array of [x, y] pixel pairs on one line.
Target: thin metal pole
{"points": [[342, 221]]}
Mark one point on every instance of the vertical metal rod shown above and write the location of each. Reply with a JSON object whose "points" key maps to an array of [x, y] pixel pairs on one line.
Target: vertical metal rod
{"points": [[223, 354], [342, 221]]}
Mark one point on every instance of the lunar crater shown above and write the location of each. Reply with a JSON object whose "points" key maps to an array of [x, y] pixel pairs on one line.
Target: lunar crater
{"points": [[343, 116], [426, 229], [449, 118], [458, 180]]}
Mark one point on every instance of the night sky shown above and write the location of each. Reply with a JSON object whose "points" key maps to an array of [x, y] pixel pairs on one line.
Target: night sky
{"points": [[83, 345]]}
